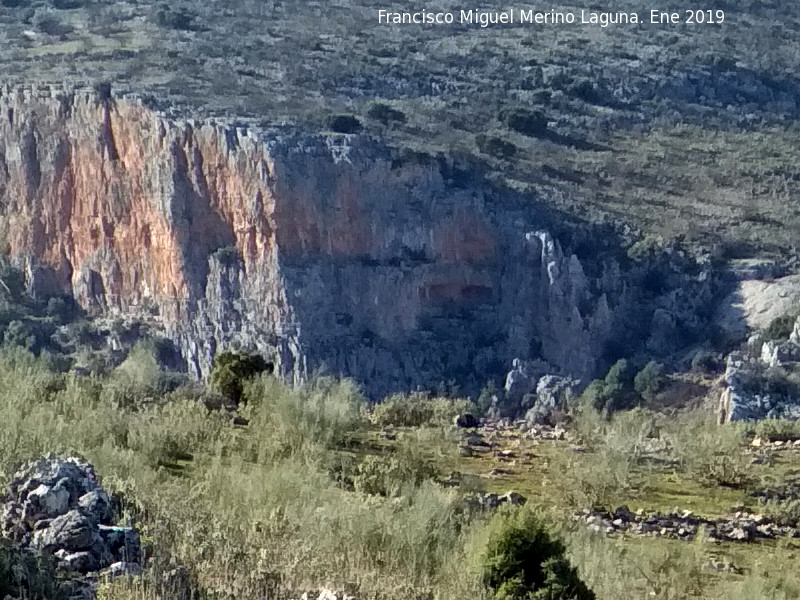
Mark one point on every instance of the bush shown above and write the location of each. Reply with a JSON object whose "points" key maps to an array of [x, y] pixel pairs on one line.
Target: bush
{"points": [[389, 476], [19, 333], [321, 414], [417, 409], [611, 470], [522, 561], [230, 370], [614, 391], [650, 380], [139, 379], [495, 146], [710, 452], [527, 122], [785, 512], [706, 362], [778, 429], [28, 575], [385, 114], [344, 124], [779, 328]]}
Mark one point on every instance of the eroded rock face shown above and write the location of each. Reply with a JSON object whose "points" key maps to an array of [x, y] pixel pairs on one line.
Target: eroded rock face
{"points": [[320, 252]]}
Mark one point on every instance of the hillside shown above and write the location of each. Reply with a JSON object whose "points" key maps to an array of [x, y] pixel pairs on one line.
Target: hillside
{"points": [[679, 129]]}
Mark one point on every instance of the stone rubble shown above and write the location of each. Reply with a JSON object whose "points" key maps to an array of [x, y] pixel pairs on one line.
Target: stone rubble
{"points": [[491, 501], [684, 525], [58, 507]]}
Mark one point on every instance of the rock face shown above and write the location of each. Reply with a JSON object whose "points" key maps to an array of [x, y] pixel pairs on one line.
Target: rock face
{"points": [[755, 390], [58, 507], [324, 253]]}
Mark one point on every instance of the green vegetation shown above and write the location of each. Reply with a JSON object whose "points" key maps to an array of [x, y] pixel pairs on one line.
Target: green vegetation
{"points": [[522, 561], [230, 371], [417, 409], [779, 328], [311, 492], [27, 575], [650, 380]]}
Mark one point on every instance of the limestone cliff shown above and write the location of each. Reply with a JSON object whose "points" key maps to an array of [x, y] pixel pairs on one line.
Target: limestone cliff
{"points": [[322, 251]]}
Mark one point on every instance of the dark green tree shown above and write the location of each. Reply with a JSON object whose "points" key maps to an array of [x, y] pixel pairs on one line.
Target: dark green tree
{"points": [[650, 380], [229, 371], [522, 561]]}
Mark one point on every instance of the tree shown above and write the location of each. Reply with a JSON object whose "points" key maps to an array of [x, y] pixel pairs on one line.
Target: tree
{"points": [[229, 371], [522, 561], [650, 380], [18, 333]]}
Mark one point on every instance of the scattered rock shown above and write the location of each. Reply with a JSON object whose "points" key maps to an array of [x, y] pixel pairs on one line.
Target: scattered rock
{"points": [[492, 501], [684, 525]]}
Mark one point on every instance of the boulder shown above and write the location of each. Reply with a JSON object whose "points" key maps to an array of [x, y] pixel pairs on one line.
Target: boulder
{"points": [[83, 562], [121, 569], [71, 531], [46, 502], [96, 505]]}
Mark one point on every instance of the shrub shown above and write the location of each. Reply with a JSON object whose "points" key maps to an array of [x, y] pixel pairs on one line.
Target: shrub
{"points": [[785, 512], [522, 561], [710, 452], [779, 328], [28, 575], [385, 114], [610, 471], [613, 392], [388, 476], [778, 429], [583, 89], [619, 375], [495, 146], [705, 362], [19, 333], [229, 371], [344, 124], [321, 414], [527, 122], [139, 379], [417, 409], [57, 308], [650, 380]]}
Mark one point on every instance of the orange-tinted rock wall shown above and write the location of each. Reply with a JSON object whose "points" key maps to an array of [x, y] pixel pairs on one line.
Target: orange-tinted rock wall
{"points": [[321, 251]]}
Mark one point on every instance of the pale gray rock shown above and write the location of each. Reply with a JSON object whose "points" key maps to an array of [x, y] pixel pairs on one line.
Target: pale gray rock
{"points": [[775, 353], [552, 393]]}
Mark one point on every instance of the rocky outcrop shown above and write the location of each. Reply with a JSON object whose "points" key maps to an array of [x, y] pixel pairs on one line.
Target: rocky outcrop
{"points": [[57, 507], [760, 387], [326, 253]]}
